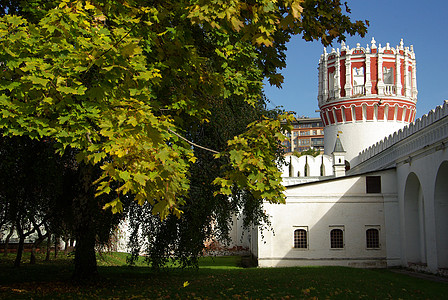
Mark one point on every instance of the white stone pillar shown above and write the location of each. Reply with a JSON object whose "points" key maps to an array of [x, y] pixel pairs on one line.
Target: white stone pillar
{"points": [[325, 77], [368, 85], [319, 93], [414, 80], [398, 84], [407, 80], [380, 72], [348, 75], [337, 76]]}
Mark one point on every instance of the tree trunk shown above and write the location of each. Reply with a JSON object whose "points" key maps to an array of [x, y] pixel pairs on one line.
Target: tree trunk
{"points": [[11, 231], [85, 259], [35, 245], [84, 207], [33, 254], [56, 246], [19, 251], [47, 257]]}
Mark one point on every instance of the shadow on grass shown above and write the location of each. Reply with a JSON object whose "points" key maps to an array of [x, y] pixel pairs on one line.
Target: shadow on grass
{"points": [[217, 278]]}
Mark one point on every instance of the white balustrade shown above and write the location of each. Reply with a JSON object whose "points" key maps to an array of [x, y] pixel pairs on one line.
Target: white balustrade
{"points": [[359, 90], [389, 89]]}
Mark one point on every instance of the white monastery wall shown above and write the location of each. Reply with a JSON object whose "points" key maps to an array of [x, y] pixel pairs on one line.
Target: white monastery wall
{"points": [[423, 203], [320, 207], [367, 96], [238, 235]]}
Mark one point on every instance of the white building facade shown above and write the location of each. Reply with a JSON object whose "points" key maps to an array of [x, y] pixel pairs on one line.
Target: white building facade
{"points": [[388, 204]]}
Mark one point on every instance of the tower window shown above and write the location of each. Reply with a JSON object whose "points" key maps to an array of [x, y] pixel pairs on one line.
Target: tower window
{"points": [[331, 84], [409, 79], [373, 184], [388, 75], [358, 76]]}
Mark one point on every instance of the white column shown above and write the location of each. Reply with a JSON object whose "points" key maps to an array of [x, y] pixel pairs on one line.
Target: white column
{"points": [[337, 76], [348, 75], [414, 80], [407, 80], [319, 94], [380, 73], [325, 77], [368, 85], [398, 84]]}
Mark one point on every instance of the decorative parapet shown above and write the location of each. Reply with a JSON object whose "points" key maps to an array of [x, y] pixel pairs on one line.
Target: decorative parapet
{"points": [[384, 153], [365, 71]]}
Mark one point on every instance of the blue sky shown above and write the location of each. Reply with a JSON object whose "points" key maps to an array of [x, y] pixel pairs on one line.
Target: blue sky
{"points": [[423, 24]]}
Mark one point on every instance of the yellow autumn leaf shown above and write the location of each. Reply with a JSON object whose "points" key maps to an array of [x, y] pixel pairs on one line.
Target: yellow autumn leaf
{"points": [[296, 8], [89, 6]]}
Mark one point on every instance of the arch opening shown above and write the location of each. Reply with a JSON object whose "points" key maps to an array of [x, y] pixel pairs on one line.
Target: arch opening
{"points": [[441, 215], [414, 221]]}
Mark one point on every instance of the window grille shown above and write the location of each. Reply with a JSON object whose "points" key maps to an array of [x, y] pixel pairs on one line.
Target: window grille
{"points": [[372, 238], [337, 238], [300, 238]]}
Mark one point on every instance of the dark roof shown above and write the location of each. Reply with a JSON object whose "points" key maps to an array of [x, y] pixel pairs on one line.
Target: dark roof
{"points": [[338, 145], [332, 178]]}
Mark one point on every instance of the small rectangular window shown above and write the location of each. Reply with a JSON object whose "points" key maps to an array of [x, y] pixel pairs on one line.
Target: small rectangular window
{"points": [[372, 237], [373, 184], [337, 237], [301, 238]]}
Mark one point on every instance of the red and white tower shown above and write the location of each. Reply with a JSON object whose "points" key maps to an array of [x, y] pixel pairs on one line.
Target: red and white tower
{"points": [[365, 94]]}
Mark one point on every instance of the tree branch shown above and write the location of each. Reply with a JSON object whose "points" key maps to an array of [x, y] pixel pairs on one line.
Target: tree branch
{"points": [[193, 144]]}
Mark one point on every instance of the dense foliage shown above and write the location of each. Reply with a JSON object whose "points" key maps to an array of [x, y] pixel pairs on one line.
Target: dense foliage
{"points": [[147, 90], [40, 194], [117, 80], [207, 215]]}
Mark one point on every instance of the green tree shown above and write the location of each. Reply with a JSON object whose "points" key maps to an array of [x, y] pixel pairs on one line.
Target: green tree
{"points": [[206, 215], [29, 185], [311, 151], [45, 193], [118, 80], [124, 82]]}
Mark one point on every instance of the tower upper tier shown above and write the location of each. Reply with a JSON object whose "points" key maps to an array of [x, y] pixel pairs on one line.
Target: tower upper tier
{"points": [[367, 84]]}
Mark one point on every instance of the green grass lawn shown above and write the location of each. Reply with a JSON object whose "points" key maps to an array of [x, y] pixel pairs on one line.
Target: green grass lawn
{"points": [[216, 278]]}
